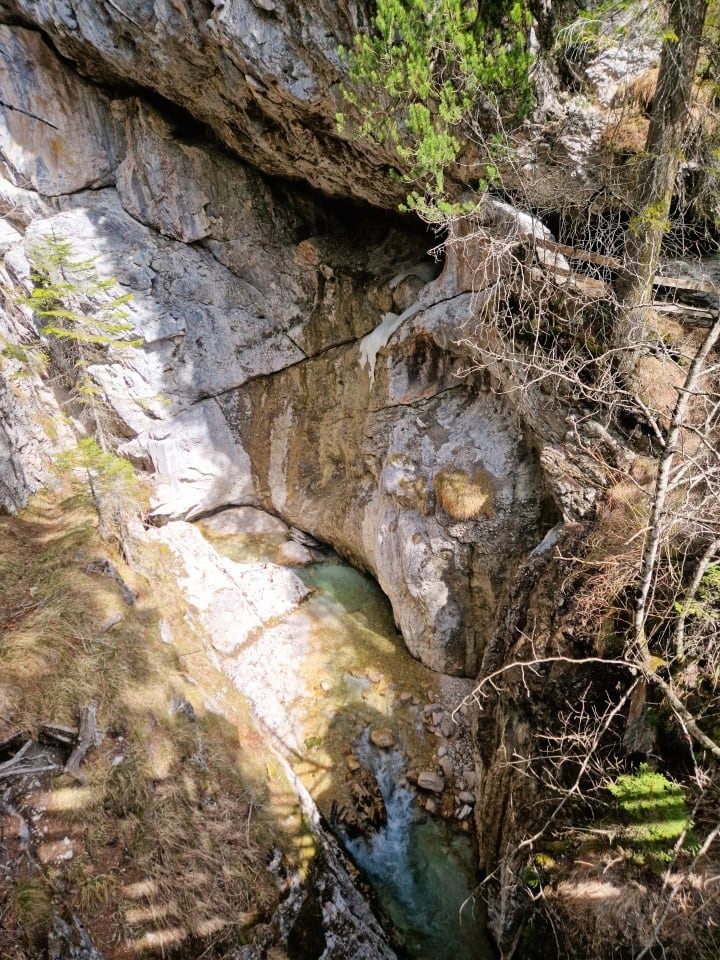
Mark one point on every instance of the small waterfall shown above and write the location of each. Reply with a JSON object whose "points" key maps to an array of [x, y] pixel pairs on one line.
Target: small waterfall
{"points": [[421, 870], [385, 856]]}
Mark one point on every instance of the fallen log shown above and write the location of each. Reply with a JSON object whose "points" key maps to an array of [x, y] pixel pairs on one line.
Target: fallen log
{"points": [[698, 315], [599, 259], [11, 745], [59, 734], [16, 758], [88, 737]]}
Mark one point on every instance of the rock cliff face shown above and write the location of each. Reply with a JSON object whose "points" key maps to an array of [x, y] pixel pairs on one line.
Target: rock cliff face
{"points": [[161, 139], [262, 74], [359, 466], [252, 300]]}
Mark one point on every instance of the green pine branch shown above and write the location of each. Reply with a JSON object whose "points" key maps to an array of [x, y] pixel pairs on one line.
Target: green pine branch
{"points": [[427, 70]]}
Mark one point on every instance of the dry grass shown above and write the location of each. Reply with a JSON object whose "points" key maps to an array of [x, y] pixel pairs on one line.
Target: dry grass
{"points": [[171, 823], [611, 560], [626, 134], [612, 888], [32, 904], [91, 889], [638, 93], [222, 871], [602, 912], [54, 654], [465, 496]]}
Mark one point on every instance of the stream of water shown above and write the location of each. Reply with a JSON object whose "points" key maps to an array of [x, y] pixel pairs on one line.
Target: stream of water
{"points": [[422, 870], [339, 667]]}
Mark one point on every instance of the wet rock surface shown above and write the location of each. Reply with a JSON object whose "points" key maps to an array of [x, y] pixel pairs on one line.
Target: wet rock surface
{"points": [[327, 910], [383, 738], [371, 456], [428, 780], [293, 554], [367, 808]]}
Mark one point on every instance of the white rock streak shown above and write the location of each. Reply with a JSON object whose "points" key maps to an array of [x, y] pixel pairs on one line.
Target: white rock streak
{"points": [[517, 223], [379, 337]]}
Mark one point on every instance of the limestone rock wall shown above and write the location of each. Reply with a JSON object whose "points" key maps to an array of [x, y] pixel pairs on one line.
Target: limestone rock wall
{"points": [[358, 465], [265, 75], [262, 74], [252, 298]]}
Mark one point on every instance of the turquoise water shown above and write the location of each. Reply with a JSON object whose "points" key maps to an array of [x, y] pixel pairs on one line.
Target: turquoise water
{"points": [[351, 592], [421, 868], [423, 872]]}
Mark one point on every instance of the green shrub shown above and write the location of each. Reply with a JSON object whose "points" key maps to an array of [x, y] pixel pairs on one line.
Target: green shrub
{"points": [[705, 605], [426, 71], [81, 316]]}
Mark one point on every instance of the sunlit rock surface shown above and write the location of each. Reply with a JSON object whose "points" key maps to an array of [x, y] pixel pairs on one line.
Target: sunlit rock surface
{"points": [[253, 297]]}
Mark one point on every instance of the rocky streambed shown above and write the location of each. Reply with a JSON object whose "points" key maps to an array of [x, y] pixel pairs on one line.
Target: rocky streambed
{"points": [[367, 729]]}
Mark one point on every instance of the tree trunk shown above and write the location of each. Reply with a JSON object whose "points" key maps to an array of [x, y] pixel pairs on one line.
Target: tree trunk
{"points": [[653, 537], [656, 176]]}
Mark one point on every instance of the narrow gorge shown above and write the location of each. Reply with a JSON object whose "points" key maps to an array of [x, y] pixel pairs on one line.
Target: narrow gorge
{"points": [[279, 715]]}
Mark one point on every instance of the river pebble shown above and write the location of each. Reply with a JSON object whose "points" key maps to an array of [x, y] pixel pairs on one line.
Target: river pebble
{"points": [[466, 797], [382, 738], [429, 780], [448, 728]]}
